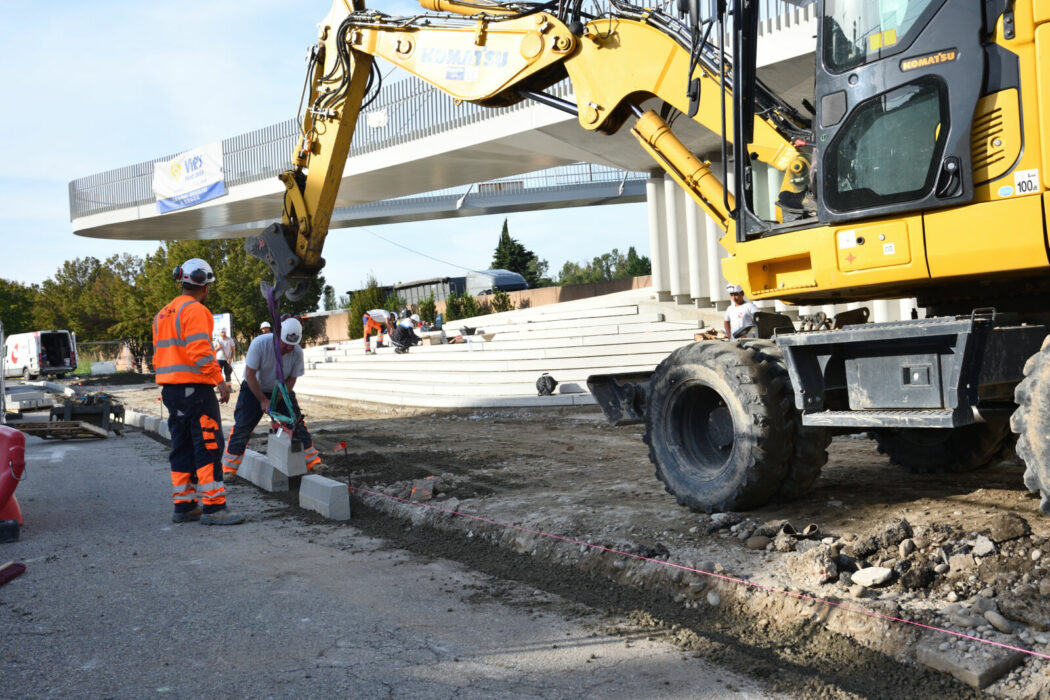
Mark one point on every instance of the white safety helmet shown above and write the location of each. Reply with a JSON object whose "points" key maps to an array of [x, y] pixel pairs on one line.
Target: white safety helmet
{"points": [[291, 331], [194, 271], [264, 326], [734, 289], [415, 319]]}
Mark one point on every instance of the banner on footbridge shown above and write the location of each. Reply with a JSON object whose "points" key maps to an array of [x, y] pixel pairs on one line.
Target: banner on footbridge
{"points": [[189, 178]]}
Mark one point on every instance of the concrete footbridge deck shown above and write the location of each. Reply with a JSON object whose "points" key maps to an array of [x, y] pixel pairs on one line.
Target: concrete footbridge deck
{"points": [[417, 155]]}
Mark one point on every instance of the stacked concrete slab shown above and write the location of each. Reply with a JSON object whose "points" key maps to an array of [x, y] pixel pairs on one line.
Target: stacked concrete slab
{"points": [[625, 332]]}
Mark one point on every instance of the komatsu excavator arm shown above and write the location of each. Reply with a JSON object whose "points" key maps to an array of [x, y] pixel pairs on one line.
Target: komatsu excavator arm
{"points": [[497, 54]]}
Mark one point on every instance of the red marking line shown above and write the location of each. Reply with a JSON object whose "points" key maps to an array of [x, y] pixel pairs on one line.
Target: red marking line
{"points": [[752, 584]]}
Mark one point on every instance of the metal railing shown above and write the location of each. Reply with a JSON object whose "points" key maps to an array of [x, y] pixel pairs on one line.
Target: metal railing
{"points": [[408, 110]]}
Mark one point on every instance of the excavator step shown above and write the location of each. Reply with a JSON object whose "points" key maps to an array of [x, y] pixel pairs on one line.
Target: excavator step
{"points": [[901, 418]]}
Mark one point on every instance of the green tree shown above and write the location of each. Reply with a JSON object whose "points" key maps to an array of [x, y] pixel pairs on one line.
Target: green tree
{"points": [[634, 265], [428, 309], [16, 306], [512, 255], [501, 301], [608, 266], [80, 297], [132, 314], [328, 294], [461, 305]]}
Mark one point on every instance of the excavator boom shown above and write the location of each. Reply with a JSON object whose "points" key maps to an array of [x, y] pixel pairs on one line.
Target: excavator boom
{"points": [[497, 54]]}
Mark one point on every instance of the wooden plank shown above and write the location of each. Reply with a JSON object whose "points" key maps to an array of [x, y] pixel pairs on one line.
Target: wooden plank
{"points": [[62, 429]]}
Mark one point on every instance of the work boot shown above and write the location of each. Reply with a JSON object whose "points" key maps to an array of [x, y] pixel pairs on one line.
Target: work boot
{"points": [[186, 516], [222, 517], [370, 351], [228, 474]]}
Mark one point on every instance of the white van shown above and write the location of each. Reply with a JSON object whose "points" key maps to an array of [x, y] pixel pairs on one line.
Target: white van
{"points": [[29, 355]]}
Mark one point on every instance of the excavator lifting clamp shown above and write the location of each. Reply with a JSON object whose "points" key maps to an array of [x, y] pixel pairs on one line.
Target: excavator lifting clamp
{"points": [[271, 246]]}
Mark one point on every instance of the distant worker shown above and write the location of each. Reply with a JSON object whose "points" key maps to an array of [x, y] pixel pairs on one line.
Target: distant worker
{"points": [[264, 327], [741, 313], [188, 375], [381, 321], [253, 401], [224, 349], [404, 335]]}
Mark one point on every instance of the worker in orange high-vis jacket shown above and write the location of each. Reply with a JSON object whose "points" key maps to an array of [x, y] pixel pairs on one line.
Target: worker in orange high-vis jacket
{"points": [[189, 374]]}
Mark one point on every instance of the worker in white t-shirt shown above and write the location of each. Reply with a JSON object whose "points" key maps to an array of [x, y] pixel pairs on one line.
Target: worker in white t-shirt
{"points": [[224, 349], [381, 321], [741, 313]]}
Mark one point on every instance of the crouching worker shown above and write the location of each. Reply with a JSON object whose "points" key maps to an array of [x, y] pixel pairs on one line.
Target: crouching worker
{"points": [[404, 335], [253, 401], [378, 320]]}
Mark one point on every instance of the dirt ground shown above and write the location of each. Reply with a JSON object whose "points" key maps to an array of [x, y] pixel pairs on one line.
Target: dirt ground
{"points": [[561, 500]]}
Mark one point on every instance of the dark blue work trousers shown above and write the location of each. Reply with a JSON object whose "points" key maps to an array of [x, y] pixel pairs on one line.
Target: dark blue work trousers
{"points": [[248, 413], [196, 443]]}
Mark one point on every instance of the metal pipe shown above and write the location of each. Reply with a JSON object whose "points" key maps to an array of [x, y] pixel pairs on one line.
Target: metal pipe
{"points": [[551, 101]]}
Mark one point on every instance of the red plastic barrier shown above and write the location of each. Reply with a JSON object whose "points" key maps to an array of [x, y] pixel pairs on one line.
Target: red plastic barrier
{"points": [[12, 470]]}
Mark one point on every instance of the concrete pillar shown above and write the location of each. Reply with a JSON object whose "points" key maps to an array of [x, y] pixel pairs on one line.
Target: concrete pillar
{"points": [[697, 251], [880, 311], [654, 197], [674, 231], [716, 283], [906, 306]]}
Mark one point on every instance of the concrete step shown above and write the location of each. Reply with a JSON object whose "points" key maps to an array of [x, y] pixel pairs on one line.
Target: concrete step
{"points": [[544, 315], [451, 380], [571, 326], [657, 333], [627, 332], [497, 360], [450, 401], [375, 387]]}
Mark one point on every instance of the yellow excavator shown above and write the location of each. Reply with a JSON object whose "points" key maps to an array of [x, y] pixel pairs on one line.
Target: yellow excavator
{"points": [[919, 169]]}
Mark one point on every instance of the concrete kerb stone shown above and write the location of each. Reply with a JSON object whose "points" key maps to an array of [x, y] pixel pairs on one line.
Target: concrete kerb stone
{"points": [[326, 496], [133, 419], [285, 454], [256, 468]]}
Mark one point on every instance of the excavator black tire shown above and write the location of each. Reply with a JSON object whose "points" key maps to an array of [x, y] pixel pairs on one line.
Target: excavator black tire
{"points": [[809, 451], [719, 426], [1031, 422], [953, 450]]}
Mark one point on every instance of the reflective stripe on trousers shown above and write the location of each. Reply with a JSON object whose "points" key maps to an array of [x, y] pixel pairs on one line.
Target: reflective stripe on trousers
{"points": [[196, 446]]}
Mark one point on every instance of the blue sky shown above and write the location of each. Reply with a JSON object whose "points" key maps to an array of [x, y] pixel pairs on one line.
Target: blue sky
{"points": [[93, 86]]}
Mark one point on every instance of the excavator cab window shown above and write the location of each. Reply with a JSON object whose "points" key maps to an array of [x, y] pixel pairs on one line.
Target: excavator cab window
{"points": [[888, 150], [859, 32]]}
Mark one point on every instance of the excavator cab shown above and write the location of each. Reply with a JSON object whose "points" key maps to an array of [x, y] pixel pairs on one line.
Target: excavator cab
{"points": [[897, 84]]}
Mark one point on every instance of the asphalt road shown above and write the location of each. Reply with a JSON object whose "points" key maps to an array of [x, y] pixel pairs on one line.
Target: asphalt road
{"points": [[119, 602]]}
